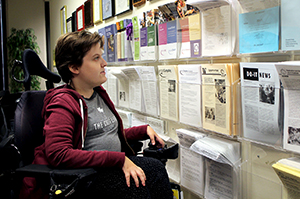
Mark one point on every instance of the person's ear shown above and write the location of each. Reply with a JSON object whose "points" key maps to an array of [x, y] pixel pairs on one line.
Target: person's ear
{"points": [[74, 69]]}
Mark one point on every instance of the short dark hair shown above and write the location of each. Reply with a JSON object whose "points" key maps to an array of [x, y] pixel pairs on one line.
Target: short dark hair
{"points": [[71, 48]]}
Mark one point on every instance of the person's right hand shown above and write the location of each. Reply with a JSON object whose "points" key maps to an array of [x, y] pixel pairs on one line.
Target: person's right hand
{"points": [[131, 170]]}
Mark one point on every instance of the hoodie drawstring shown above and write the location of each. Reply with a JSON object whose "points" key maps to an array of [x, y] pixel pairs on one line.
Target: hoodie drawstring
{"points": [[82, 127]]}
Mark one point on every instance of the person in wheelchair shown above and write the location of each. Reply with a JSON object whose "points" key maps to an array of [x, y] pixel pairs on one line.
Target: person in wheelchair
{"points": [[83, 129]]}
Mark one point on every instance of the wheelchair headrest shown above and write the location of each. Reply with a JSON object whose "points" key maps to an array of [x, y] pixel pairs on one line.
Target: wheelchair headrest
{"points": [[34, 66]]}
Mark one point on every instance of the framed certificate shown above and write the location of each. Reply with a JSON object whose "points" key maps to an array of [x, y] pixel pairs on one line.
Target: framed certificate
{"points": [[69, 24], [80, 18], [107, 9], [88, 13], [63, 20], [122, 6], [97, 6]]}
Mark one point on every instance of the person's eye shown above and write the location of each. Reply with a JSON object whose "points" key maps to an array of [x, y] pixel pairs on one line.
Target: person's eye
{"points": [[96, 58]]}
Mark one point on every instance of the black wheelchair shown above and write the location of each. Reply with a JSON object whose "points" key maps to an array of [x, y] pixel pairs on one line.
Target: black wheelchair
{"points": [[23, 132]]}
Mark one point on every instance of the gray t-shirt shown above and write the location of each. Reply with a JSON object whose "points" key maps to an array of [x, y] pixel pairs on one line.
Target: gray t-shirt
{"points": [[102, 132]]}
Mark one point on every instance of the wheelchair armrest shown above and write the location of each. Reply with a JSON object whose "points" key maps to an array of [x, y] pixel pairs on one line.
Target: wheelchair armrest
{"points": [[36, 170]]}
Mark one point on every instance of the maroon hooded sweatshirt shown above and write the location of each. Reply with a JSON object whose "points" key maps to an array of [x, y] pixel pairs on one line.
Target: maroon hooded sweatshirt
{"points": [[65, 116]]}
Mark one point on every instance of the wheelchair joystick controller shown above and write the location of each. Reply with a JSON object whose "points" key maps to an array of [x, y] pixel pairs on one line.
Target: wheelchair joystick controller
{"points": [[162, 154]]}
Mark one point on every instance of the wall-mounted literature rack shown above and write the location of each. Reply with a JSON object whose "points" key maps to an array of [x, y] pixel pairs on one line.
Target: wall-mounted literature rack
{"points": [[190, 89], [202, 36], [204, 96], [259, 178], [255, 89], [241, 79]]}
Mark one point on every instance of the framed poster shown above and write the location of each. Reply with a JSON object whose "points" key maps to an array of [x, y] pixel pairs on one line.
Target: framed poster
{"points": [[137, 3], [80, 18], [97, 6], [107, 9], [122, 6], [88, 13], [74, 21], [63, 20], [69, 24]]}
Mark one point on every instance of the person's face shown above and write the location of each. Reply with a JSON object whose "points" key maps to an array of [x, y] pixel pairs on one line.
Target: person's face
{"points": [[92, 71]]}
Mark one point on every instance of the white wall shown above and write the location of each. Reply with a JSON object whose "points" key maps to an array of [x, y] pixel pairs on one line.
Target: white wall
{"points": [[23, 14]]}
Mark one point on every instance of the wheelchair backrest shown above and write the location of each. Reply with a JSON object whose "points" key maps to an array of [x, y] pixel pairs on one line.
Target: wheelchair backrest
{"points": [[29, 124]]}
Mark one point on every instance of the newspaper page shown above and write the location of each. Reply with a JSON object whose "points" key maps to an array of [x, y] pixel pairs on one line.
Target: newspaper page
{"points": [[191, 163], [190, 94], [260, 92], [218, 180], [192, 171], [135, 88], [112, 86], [188, 136], [222, 159], [150, 90], [218, 149], [218, 97], [289, 73], [123, 87], [168, 84], [126, 117], [216, 31]]}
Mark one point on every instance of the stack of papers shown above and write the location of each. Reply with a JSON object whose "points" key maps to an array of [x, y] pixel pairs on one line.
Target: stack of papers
{"points": [[222, 159], [288, 170]]}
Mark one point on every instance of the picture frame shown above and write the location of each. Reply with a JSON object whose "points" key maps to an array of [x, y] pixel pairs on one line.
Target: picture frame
{"points": [[97, 11], [122, 6], [74, 21], [63, 20], [80, 18], [137, 3], [88, 14], [108, 9], [69, 24]]}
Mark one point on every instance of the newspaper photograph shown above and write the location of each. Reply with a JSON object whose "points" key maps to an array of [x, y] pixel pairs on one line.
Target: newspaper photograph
{"points": [[289, 73], [260, 92]]}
